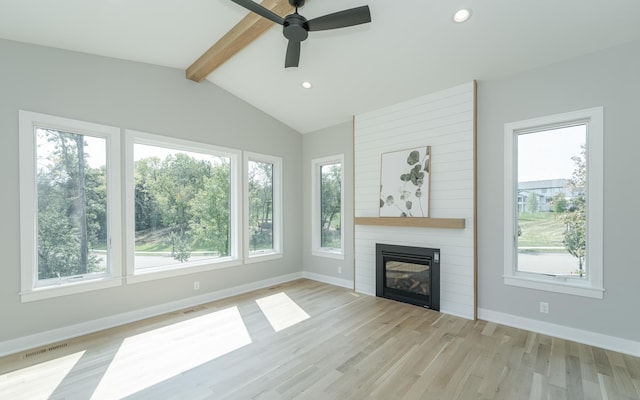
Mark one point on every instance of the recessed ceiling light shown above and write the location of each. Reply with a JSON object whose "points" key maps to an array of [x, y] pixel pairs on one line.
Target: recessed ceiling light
{"points": [[462, 15], [307, 85]]}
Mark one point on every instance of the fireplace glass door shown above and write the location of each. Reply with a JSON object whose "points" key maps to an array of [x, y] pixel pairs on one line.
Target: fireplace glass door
{"points": [[408, 277]]}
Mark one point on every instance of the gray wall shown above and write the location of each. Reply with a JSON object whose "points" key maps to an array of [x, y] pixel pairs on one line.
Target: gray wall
{"points": [[610, 79], [324, 143], [145, 98]]}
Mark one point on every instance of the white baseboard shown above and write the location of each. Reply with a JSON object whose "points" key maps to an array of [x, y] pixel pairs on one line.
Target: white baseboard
{"points": [[447, 311], [331, 280], [68, 332], [563, 332]]}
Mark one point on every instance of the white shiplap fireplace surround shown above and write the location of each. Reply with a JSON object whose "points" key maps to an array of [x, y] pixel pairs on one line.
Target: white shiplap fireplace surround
{"points": [[445, 121]]}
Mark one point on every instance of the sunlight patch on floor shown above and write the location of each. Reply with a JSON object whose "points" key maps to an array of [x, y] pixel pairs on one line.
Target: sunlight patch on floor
{"points": [[160, 354], [34, 381], [281, 311]]}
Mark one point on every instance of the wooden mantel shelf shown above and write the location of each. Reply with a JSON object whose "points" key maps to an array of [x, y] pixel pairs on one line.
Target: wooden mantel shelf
{"points": [[449, 223]]}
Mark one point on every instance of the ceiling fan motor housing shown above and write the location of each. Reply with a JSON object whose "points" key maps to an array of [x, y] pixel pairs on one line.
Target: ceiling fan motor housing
{"points": [[296, 3], [295, 27]]}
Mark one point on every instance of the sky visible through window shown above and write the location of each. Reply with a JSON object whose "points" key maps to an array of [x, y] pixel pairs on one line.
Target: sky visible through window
{"points": [[96, 154], [95, 149], [547, 154]]}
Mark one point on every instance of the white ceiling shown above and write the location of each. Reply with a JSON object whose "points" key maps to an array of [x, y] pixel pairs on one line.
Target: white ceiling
{"points": [[411, 47]]}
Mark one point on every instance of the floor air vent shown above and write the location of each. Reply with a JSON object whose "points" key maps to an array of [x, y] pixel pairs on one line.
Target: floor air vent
{"points": [[57, 346], [191, 310], [38, 352]]}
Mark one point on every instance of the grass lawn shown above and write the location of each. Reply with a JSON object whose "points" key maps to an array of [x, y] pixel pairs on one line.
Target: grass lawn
{"points": [[157, 241], [544, 229]]}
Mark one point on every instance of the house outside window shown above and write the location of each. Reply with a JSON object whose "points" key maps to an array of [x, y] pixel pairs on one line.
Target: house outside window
{"points": [[553, 203], [327, 207]]}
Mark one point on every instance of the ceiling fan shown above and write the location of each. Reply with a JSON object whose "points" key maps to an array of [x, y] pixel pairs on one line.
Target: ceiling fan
{"points": [[296, 28]]}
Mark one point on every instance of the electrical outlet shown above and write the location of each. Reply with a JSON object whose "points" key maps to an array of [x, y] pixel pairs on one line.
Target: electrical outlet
{"points": [[544, 307], [196, 285], [340, 269]]}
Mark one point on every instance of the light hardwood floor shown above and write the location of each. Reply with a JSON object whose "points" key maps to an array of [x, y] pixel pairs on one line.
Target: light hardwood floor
{"points": [[308, 340]]}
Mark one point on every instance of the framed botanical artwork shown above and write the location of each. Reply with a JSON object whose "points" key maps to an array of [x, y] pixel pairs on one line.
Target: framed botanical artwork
{"points": [[404, 183]]}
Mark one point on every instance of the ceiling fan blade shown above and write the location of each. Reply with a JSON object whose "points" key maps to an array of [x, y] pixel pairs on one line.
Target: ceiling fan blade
{"points": [[260, 10], [293, 54], [341, 19]]}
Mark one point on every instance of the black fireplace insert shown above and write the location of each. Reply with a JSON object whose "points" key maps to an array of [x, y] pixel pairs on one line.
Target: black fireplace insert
{"points": [[408, 274]]}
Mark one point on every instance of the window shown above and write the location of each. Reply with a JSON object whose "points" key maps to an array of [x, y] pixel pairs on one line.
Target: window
{"points": [[69, 196], [555, 243], [327, 207], [182, 212], [183, 207], [263, 206]]}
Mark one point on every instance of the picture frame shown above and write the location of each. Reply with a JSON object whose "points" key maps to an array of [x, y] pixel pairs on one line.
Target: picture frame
{"points": [[405, 180]]}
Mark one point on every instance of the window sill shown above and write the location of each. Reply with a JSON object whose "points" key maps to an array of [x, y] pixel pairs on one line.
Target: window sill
{"points": [[557, 286], [328, 254], [66, 289], [163, 273], [260, 257]]}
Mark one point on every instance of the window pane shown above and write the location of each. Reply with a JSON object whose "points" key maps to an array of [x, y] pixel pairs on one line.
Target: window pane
{"points": [[551, 201], [330, 195], [72, 204], [260, 206], [182, 206]]}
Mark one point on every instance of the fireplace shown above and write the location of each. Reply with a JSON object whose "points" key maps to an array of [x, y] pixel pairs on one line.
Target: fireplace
{"points": [[408, 274]]}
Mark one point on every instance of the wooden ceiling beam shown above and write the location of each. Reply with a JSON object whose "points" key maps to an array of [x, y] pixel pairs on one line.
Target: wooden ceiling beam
{"points": [[239, 37]]}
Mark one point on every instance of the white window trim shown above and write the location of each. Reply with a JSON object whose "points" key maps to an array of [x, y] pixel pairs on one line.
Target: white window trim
{"points": [[316, 249], [28, 206], [277, 251], [136, 137], [592, 286]]}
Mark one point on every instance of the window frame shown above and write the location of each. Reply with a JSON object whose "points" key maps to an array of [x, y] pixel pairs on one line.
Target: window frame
{"points": [[277, 250], [316, 207], [591, 286], [133, 137], [121, 209], [30, 290]]}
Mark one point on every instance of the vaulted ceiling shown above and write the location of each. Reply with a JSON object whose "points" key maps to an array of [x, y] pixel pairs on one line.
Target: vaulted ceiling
{"points": [[411, 48]]}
